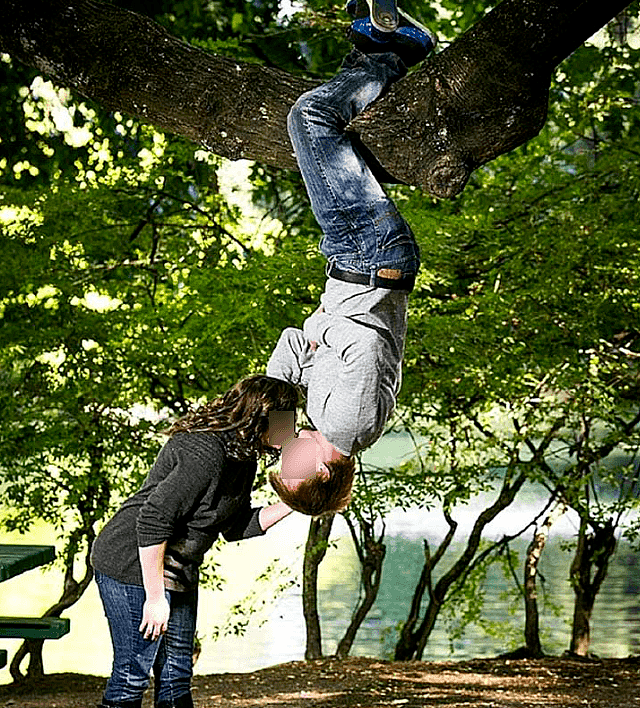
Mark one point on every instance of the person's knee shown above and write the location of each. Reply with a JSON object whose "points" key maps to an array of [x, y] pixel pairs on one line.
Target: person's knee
{"points": [[131, 679], [311, 107], [295, 117]]}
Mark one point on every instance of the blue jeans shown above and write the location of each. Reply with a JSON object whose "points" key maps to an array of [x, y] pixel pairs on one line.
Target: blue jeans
{"points": [[362, 229], [170, 657]]}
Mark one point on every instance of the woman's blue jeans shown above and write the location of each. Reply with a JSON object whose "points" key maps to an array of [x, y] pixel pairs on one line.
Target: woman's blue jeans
{"points": [[134, 658], [362, 229]]}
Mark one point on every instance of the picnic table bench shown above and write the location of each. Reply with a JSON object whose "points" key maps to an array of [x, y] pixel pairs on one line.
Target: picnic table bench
{"points": [[14, 560]]}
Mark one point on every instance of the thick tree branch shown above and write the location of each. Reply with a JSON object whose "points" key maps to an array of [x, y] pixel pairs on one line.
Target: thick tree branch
{"points": [[127, 62], [481, 97]]}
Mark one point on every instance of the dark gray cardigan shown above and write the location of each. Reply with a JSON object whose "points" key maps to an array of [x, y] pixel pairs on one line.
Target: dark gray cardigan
{"points": [[193, 493]]}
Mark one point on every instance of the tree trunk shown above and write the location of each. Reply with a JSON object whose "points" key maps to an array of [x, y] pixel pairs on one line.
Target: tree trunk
{"points": [[595, 549], [582, 604], [533, 647], [405, 646], [371, 554], [315, 551], [532, 617], [411, 644], [481, 97]]}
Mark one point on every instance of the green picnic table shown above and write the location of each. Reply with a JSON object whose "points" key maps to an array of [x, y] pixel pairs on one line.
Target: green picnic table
{"points": [[17, 559], [14, 560]]}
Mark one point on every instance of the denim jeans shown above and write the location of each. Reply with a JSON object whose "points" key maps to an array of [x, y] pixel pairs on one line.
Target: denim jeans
{"points": [[170, 657], [362, 229]]}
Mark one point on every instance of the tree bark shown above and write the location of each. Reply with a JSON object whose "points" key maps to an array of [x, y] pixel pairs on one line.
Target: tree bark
{"points": [[533, 647], [315, 551], [593, 549], [481, 97]]}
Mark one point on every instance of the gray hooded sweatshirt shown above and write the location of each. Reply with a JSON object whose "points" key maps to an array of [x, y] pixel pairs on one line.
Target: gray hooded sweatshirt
{"points": [[354, 375]]}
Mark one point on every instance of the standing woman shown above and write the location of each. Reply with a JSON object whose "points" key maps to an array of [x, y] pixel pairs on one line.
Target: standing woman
{"points": [[146, 559]]}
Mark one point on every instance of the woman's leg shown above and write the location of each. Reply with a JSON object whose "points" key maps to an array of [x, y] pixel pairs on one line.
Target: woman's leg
{"points": [[362, 228], [173, 668], [133, 656]]}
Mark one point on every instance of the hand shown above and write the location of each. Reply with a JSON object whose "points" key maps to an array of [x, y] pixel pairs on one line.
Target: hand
{"points": [[313, 346], [155, 617]]}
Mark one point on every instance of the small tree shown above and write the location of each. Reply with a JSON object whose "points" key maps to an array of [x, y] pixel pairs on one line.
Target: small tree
{"points": [[532, 645], [469, 455], [371, 550]]}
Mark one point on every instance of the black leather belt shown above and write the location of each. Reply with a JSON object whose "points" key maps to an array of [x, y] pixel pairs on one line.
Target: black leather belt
{"points": [[404, 282]]}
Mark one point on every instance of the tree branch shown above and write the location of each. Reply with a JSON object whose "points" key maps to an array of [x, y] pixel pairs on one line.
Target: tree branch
{"points": [[481, 97]]}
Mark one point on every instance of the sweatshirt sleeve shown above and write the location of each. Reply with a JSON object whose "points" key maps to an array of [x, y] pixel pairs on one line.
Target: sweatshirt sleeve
{"points": [[292, 357], [194, 469], [246, 524]]}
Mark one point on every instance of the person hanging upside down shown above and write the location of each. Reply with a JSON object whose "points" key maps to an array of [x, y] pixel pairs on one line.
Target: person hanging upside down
{"points": [[348, 354]]}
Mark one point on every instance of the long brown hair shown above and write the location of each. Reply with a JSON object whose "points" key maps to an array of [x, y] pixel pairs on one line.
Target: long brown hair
{"points": [[242, 415], [318, 495]]}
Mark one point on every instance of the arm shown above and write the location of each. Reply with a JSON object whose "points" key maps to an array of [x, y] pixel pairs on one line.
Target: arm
{"points": [[254, 522], [271, 515], [290, 357], [194, 465], [155, 612]]}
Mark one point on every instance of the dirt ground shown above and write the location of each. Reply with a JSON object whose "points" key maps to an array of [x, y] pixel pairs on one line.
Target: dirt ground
{"points": [[372, 683]]}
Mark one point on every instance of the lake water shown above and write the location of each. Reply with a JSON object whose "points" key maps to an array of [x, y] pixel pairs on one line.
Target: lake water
{"points": [[278, 635]]}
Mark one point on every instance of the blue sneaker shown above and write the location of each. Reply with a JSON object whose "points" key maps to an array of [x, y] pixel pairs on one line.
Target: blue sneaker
{"points": [[412, 42], [383, 13]]}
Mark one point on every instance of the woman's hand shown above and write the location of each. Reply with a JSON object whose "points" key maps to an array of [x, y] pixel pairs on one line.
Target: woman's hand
{"points": [[155, 617]]}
